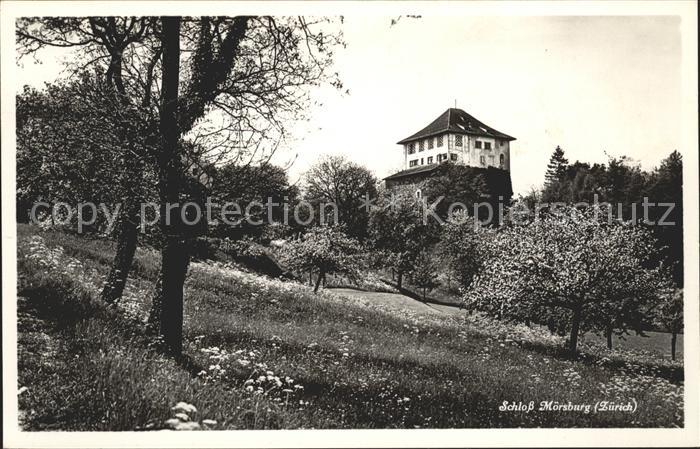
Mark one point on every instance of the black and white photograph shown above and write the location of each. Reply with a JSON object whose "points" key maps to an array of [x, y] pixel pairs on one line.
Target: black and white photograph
{"points": [[317, 219]]}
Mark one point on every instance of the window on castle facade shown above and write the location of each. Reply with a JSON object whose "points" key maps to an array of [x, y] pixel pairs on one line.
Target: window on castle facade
{"points": [[430, 160], [492, 161], [431, 143], [477, 144], [413, 163], [458, 140], [421, 145], [439, 141], [453, 157], [482, 160], [502, 160], [411, 148], [487, 145]]}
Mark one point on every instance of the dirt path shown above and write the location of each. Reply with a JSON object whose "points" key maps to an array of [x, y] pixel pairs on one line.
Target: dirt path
{"points": [[396, 300]]}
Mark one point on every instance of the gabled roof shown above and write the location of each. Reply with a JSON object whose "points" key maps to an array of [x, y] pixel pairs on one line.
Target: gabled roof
{"points": [[456, 121], [413, 171]]}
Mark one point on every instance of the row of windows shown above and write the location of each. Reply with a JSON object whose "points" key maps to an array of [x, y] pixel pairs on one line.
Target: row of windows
{"points": [[459, 141], [431, 143], [453, 157], [429, 160]]}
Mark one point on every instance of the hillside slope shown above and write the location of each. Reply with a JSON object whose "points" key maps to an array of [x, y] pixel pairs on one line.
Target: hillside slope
{"points": [[269, 354]]}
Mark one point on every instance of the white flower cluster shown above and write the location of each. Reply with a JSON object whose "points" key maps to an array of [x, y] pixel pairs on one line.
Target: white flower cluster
{"points": [[183, 419]]}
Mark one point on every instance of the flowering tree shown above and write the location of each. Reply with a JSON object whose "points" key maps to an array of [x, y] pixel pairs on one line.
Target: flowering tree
{"points": [[668, 313], [324, 250], [569, 260]]}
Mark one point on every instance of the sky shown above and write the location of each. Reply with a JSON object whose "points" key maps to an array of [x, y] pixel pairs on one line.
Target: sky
{"points": [[596, 86]]}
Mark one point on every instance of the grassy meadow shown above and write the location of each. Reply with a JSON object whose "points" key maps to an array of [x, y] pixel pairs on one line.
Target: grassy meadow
{"points": [[269, 354]]}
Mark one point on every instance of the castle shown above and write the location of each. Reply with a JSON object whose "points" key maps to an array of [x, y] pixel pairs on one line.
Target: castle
{"points": [[455, 136]]}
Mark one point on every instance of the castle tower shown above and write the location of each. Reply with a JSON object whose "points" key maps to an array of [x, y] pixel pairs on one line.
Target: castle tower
{"points": [[458, 137]]}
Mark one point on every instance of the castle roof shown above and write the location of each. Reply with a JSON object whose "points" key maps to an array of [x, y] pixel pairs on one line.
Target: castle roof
{"points": [[456, 121]]}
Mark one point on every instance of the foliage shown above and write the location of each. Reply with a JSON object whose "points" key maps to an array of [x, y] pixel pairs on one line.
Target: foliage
{"points": [[556, 167], [461, 247], [335, 180], [398, 230], [667, 313], [246, 184], [68, 147], [667, 187], [573, 261], [425, 272], [624, 185], [324, 250], [463, 187]]}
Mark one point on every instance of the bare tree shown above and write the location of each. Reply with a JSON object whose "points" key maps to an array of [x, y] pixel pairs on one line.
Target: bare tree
{"points": [[349, 186]]}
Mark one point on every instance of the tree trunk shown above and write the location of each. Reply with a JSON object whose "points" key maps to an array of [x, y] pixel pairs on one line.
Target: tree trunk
{"points": [[175, 260], [127, 231], [399, 279], [608, 336], [321, 275], [121, 264], [174, 254], [575, 324], [673, 345]]}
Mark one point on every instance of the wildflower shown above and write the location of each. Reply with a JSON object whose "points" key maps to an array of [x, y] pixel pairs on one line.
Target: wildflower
{"points": [[182, 416], [172, 422], [192, 425], [184, 407]]}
